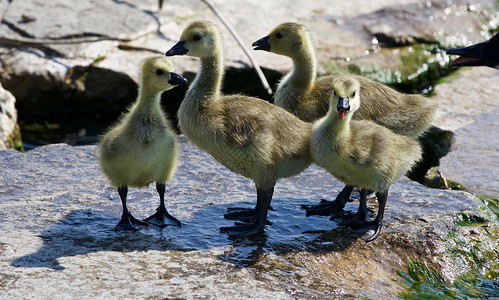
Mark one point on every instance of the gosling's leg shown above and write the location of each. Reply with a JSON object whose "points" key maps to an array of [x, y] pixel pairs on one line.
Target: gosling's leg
{"points": [[372, 229], [162, 218], [127, 221], [246, 230], [360, 217], [326, 208], [244, 214]]}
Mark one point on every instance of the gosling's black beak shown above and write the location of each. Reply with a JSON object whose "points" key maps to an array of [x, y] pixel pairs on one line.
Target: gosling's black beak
{"points": [[470, 56], [176, 79], [343, 104], [262, 44], [343, 107], [177, 49]]}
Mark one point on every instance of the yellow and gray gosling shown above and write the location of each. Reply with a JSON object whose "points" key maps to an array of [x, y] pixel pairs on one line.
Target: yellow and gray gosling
{"points": [[142, 148], [307, 96], [247, 135], [361, 153]]}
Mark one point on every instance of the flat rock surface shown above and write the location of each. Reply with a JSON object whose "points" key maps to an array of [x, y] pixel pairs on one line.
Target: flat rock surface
{"points": [[473, 159], [57, 239], [474, 156]]}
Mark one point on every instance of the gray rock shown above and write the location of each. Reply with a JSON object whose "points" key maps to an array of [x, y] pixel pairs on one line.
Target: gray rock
{"points": [[10, 135], [474, 157], [57, 238]]}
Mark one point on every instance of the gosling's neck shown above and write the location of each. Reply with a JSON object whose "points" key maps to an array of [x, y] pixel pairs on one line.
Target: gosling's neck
{"points": [[304, 71], [148, 101], [208, 83], [339, 129]]}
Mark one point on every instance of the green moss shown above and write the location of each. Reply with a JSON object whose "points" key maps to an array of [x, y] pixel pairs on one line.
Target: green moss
{"points": [[472, 258], [421, 66], [14, 141], [98, 60], [422, 282], [491, 202], [471, 220]]}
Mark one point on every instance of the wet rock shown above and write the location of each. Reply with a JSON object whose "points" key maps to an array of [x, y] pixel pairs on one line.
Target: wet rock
{"points": [[426, 21], [10, 134], [57, 238]]}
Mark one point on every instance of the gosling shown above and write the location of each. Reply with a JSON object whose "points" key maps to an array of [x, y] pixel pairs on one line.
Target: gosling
{"points": [[361, 153], [307, 96], [481, 54], [142, 148], [249, 136]]}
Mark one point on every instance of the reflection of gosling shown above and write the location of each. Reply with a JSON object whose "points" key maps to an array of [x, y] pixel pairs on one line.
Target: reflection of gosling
{"points": [[481, 54], [142, 148], [361, 153], [307, 96], [247, 135]]}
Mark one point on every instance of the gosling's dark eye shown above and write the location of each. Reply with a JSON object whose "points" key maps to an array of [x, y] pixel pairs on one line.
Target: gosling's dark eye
{"points": [[334, 92], [278, 35], [159, 72], [197, 37], [353, 94]]}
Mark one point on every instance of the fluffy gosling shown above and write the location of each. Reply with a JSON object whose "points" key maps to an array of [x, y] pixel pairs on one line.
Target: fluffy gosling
{"points": [[142, 148], [247, 135], [361, 153]]}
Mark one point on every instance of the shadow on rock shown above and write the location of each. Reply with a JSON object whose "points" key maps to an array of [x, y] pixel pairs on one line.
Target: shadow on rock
{"points": [[85, 231]]}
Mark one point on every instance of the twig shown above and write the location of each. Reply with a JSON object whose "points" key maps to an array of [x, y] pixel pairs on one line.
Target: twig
{"points": [[446, 186], [258, 70]]}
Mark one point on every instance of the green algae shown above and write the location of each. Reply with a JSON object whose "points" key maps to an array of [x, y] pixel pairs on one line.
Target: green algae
{"points": [[491, 202], [472, 257], [423, 282], [420, 67]]}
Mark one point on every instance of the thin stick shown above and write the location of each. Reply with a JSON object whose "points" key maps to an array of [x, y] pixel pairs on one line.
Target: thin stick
{"points": [[258, 70]]}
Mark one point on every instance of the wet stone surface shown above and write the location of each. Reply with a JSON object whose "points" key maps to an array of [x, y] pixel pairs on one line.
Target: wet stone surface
{"points": [[57, 239]]}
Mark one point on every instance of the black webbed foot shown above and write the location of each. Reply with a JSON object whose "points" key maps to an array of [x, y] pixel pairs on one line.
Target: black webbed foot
{"points": [[242, 230], [369, 231], [357, 219], [162, 218], [326, 208], [323, 203], [129, 222], [241, 214]]}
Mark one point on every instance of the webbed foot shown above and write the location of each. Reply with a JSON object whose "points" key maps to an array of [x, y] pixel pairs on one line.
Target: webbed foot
{"points": [[326, 208], [323, 203], [369, 231], [241, 214], [357, 219], [128, 222], [162, 218], [241, 230]]}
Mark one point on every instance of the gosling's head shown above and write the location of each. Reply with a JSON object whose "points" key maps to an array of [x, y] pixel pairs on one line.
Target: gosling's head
{"points": [[157, 74], [345, 96], [286, 39], [199, 39]]}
